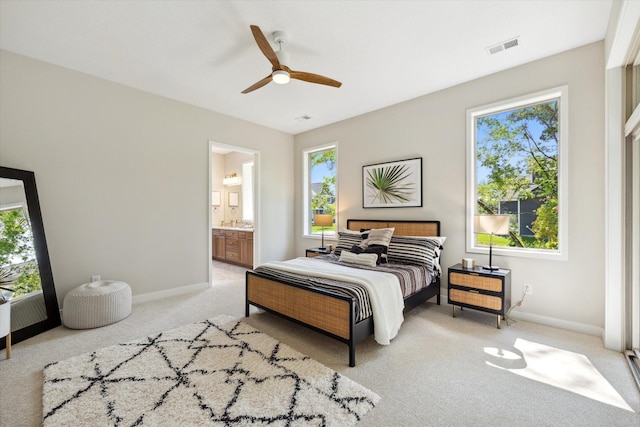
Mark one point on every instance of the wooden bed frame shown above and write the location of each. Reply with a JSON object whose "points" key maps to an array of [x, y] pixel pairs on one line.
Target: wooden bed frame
{"points": [[327, 312]]}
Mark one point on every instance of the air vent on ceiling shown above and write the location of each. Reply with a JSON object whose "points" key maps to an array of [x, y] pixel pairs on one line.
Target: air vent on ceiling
{"points": [[303, 118], [513, 42]]}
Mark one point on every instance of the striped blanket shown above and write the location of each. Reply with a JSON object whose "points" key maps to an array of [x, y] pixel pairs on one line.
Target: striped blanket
{"points": [[411, 279]]}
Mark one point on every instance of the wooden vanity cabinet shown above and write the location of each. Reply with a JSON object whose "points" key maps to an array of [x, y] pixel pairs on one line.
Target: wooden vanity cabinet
{"points": [[233, 246], [218, 244]]}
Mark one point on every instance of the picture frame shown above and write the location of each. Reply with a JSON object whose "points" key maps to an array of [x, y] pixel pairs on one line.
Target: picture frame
{"points": [[233, 199], [396, 184], [215, 199]]}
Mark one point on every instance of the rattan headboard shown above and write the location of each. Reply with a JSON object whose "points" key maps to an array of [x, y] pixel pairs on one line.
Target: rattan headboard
{"points": [[402, 228]]}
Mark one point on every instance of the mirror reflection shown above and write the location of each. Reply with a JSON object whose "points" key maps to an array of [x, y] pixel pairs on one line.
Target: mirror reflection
{"points": [[19, 274]]}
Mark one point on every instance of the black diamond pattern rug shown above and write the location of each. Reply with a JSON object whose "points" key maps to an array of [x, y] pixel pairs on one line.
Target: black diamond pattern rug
{"points": [[219, 372]]}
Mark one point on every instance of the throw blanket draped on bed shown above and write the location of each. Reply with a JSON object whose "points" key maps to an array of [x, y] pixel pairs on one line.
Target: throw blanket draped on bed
{"points": [[384, 291]]}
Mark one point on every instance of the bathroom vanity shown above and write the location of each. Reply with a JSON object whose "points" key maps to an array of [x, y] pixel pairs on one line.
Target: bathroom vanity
{"points": [[233, 245]]}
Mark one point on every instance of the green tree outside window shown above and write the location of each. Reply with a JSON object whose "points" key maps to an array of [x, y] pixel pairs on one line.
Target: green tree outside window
{"points": [[18, 267], [517, 161]]}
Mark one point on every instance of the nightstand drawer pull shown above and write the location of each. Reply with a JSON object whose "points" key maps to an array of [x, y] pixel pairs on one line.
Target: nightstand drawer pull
{"points": [[474, 291]]}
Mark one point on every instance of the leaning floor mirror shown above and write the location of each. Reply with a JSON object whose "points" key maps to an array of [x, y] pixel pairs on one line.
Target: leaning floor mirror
{"points": [[26, 280]]}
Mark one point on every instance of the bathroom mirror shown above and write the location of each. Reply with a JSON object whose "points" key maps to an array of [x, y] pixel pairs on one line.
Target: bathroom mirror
{"points": [[25, 267]]}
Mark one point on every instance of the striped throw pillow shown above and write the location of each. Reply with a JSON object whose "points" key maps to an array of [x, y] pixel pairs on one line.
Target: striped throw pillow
{"points": [[416, 250], [379, 236], [346, 239]]}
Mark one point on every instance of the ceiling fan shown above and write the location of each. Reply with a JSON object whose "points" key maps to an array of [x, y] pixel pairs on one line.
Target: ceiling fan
{"points": [[280, 72]]}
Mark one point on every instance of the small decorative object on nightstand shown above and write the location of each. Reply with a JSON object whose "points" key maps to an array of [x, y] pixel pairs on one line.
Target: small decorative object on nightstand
{"points": [[312, 252], [480, 289]]}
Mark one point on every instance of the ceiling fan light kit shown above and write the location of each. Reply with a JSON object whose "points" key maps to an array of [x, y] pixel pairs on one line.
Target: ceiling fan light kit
{"points": [[281, 77], [280, 71]]}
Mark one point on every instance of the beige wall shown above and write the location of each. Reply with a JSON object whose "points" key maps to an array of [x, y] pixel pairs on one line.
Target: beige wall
{"points": [[123, 175], [566, 293]]}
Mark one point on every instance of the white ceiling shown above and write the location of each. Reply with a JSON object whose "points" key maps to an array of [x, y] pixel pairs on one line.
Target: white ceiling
{"points": [[384, 52]]}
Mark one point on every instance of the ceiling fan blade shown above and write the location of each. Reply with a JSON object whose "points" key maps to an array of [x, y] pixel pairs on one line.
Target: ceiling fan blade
{"points": [[314, 78], [264, 46], [258, 85]]}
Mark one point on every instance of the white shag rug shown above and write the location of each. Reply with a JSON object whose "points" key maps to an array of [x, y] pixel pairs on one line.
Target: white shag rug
{"points": [[219, 372]]}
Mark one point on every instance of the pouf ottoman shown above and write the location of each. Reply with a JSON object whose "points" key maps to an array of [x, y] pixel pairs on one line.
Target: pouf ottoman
{"points": [[96, 304]]}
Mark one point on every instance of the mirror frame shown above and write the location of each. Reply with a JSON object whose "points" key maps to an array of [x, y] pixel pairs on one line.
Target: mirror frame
{"points": [[42, 257]]}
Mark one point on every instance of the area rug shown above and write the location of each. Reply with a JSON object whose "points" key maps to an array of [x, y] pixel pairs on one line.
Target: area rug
{"points": [[219, 372]]}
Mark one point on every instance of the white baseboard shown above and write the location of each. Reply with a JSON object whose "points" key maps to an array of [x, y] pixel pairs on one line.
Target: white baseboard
{"points": [[550, 321], [559, 323], [152, 296]]}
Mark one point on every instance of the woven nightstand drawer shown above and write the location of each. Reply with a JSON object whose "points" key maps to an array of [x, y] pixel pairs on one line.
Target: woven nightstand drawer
{"points": [[475, 299], [475, 281]]}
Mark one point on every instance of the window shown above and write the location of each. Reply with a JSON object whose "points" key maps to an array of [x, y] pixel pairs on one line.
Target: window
{"points": [[517, 165], [247, 191], [320, 166]]}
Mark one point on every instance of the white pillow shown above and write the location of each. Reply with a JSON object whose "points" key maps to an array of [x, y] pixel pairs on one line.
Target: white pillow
{"points": [[368, 260]]}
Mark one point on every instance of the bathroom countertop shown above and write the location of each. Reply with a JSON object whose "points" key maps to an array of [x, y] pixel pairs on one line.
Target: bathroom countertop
{"points": [[228, 227]]}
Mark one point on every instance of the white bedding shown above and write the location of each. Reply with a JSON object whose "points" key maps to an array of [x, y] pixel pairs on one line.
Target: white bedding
{"points": [[384, 291]]}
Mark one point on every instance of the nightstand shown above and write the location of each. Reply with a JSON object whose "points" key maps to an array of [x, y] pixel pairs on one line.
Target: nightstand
{"points": [[480, 289], [312, 252]]}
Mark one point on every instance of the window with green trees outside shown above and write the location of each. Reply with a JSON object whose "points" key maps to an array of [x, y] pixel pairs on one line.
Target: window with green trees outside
{"points": [[320, 182], [517, 166]]}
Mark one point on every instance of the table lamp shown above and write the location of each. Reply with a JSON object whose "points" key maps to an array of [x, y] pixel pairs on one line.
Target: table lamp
{"points": [[323, 220], [491, 224]]}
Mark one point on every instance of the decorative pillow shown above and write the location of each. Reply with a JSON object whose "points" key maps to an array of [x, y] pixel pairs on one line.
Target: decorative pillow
{"points": [[378, 250], [368, 260], [346, 239], [438, 239], [379, 236], [416, 250]]}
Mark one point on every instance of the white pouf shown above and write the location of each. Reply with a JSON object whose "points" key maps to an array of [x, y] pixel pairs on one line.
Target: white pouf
{"points": [[96, 304]]}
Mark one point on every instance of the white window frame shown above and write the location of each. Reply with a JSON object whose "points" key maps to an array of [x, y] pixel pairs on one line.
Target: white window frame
{"points": [[561, 93], [306, 197]]}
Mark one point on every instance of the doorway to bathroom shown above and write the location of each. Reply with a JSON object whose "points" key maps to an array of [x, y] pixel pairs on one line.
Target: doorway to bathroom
{"points": [[233, 214]]}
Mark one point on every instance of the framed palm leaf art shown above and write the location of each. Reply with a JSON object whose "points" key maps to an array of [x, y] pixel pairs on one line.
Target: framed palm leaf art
{"points": [[392, 184]]}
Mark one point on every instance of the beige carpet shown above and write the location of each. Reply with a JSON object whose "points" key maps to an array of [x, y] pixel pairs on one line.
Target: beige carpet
{"points": [[218, 372], [439, 370]]}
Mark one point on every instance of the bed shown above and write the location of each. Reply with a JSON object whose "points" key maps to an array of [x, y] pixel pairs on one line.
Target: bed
{"points": [[333, 312]]}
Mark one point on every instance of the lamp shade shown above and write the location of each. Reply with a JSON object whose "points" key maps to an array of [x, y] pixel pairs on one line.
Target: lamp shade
{"points": [[323, 220], [491, 224]]}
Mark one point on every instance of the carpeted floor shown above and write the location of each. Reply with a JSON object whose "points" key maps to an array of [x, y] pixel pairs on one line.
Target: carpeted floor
{"points": [[439, 370]]}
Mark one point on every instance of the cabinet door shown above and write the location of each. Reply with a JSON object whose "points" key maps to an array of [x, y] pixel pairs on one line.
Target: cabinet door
{"points": [[246, 252], [218, 247]]}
